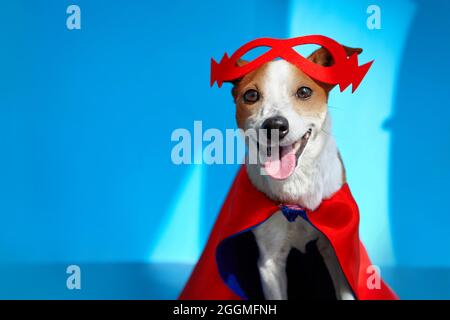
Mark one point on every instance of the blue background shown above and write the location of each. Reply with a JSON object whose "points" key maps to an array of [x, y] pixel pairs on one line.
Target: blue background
{"points": [[86, 118]]}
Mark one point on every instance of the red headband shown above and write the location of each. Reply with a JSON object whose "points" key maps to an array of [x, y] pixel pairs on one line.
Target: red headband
{"points": [[344, 71]]}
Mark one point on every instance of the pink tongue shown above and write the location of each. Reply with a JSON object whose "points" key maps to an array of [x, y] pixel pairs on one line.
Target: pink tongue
{"points": [[281, 168]]}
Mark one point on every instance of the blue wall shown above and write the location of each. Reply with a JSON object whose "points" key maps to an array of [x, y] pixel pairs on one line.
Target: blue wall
{"points": [[359, 118], [87, 115], [420, 149]]}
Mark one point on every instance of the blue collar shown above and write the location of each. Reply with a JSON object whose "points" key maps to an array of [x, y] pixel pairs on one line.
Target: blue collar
{"points": [[291, 212]]}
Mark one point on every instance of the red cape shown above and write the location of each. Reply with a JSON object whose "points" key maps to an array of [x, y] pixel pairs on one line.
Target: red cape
{"points": [[245, 207]]}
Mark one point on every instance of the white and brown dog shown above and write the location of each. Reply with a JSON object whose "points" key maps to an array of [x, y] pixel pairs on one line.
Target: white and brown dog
{"points": [[279, 96]]}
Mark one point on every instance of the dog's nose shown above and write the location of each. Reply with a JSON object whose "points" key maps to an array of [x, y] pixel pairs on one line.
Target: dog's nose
{"points": [[276, 123]]}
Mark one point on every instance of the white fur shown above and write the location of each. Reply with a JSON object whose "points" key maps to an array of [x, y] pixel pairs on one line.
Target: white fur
{"points": [[319, 171], [275, 238], [318, 175]]}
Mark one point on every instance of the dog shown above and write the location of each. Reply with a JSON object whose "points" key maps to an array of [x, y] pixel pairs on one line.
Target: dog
{"points": [[278, 97]]}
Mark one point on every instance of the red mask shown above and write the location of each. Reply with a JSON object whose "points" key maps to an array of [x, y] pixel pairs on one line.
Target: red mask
{"points": [[343, 72]]}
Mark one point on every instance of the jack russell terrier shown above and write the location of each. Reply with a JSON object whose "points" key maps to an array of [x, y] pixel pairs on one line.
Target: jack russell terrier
{"points": [[279, 96], [258, 248]]}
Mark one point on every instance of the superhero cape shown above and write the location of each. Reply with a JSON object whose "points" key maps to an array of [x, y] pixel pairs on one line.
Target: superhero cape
{"points": [[227, 268]]}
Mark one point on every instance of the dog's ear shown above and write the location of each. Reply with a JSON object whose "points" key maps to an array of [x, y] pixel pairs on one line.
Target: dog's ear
{"points": [[323, 57], [239, 63]]}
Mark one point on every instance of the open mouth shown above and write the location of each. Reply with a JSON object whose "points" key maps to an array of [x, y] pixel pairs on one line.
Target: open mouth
{"points": [[284, 165]]}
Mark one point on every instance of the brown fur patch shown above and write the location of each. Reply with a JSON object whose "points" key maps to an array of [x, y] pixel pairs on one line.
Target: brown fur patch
{"points": [[317, 103], [252, 80]]}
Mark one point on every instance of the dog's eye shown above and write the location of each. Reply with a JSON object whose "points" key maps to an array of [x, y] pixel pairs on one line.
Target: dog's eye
{"points": [[251, 96], [304, 93]]}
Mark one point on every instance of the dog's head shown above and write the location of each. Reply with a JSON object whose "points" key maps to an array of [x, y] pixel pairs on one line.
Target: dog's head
{"points": [[290, 107]]}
